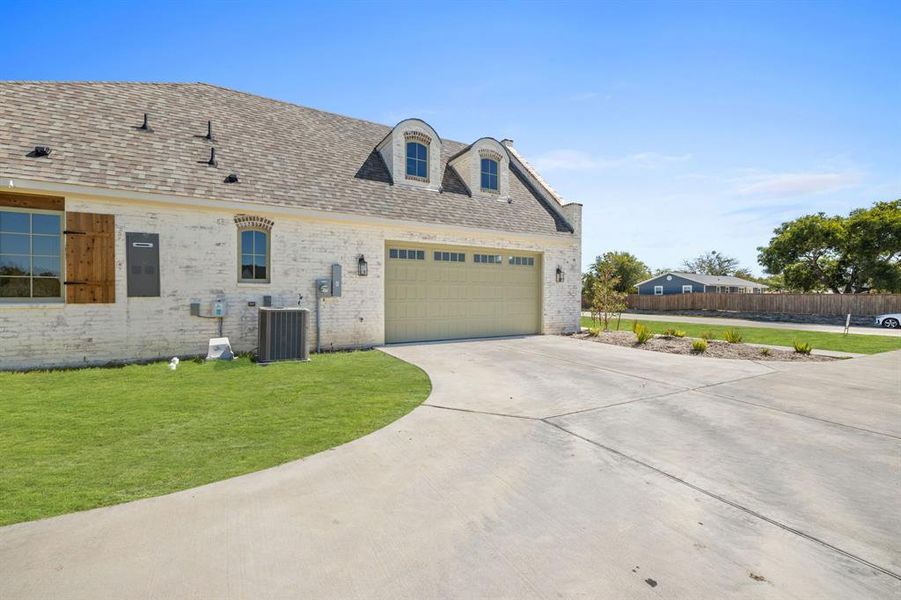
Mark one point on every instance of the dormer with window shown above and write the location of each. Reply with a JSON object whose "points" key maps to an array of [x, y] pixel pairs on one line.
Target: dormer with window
{"points": [[485, 169], [412, 153]]}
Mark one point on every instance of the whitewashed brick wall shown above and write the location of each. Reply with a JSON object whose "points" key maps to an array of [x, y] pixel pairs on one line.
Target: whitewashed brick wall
{"points": [[198, 258]]}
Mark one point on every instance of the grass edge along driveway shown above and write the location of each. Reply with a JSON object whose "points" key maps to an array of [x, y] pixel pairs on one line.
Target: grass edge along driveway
{"points": [[863, 344], [79, 439]]}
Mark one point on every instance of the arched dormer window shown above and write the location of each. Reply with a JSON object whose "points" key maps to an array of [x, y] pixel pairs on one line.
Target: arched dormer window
{"points": [[489, 175], [417, 155], [412, 153], [253, 249]]}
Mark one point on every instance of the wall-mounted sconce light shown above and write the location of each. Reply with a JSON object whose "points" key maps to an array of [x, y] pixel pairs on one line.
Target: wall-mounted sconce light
{"points": [[559, 275], [362, 266]]}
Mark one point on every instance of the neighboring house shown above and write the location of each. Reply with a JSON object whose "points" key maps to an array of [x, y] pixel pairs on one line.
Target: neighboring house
{"points": [[113, 225], [691, 283]]}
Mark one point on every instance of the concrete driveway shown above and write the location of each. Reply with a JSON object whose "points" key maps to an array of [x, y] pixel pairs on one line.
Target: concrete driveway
{"points": [[540, 467]]}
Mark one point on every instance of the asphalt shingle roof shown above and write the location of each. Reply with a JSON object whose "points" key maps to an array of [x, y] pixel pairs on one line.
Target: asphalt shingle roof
{"points": [[284, 154]]}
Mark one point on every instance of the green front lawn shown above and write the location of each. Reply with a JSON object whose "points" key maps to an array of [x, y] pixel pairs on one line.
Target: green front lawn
{"points": [[73, 440], [863, 344]]}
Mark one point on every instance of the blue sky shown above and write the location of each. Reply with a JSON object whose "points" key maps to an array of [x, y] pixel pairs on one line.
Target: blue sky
{"points": [[681, 127]]}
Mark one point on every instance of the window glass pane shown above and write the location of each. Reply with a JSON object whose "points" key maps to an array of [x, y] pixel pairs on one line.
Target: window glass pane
{"points": [[14, 222], [437, 256], [247, 242], [411, 166], [247, 271], [260, 271], [402, 254], [48, 224], [45, 244], [14, 265], [14, 243], [392, 253], [46, 288], [45, 266], [484, 181], [259, 244], [15, 287]]}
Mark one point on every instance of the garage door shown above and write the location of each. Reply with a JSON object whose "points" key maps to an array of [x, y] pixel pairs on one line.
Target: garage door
{"points": [[450, 292]]}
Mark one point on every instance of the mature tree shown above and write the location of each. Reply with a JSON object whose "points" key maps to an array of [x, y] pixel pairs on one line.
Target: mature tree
{"points": [[627, 269], [712, 263], [605, 301], [853, 254]]}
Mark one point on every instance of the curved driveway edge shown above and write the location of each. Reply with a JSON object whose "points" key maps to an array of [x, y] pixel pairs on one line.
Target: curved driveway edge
{"points": [[540, 467]]}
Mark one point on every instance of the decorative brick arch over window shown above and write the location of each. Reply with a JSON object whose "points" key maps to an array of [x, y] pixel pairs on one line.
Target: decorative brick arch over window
{"points": [[489, 153], [417, 136], [253, 222]]}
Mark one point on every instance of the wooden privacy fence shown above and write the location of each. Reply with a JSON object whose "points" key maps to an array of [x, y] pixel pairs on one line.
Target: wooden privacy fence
{"points": [[798, 304]]}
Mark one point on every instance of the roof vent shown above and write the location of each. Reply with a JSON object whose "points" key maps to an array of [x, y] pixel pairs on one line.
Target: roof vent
{"points": [[145, 126], [231, 178], [40, 151], [209, 132], [212, 162]]}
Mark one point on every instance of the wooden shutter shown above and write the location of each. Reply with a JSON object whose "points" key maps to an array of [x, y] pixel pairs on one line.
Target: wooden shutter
{"points": [[90, 258]]}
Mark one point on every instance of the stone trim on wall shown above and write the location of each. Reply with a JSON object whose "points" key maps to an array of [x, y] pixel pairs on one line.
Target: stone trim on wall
{"points": [[253, 222]]}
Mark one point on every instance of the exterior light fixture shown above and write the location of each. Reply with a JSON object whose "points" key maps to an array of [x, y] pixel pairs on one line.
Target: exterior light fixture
{"points": [[362, 266], [559, 275]]}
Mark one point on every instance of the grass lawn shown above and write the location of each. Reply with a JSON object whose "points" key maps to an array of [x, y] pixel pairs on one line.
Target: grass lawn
{"points": [[864, 344], [73, 440]]}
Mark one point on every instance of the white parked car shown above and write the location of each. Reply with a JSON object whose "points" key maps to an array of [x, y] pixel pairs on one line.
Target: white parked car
{"points": [[892, 321]]}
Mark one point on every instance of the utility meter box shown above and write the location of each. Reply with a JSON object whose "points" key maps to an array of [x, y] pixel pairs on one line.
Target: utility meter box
{"points": [[336, 280], [142, 259], [324, 288], [218, 308]]}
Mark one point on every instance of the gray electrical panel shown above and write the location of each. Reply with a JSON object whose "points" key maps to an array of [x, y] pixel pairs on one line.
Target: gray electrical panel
{"points": [[142, 259], [336, 280]]}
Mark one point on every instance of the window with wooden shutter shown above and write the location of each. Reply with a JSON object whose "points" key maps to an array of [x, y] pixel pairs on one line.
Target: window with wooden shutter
{"points": [[90, 258]]}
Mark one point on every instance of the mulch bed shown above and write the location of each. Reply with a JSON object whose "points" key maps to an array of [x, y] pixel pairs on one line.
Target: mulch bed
{"points": [[715, 348]]}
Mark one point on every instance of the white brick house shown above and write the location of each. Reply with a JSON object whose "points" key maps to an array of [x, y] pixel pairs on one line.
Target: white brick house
{"points": [[320, 189]]}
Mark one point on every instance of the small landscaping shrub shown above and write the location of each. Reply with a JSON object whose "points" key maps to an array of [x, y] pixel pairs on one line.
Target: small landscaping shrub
{"points": [[679, 333], [764, 352], [802, 347], [642, 333], [635, 325], [707, 335], [669, 332], [733, 336], [699, 346], [594, 331]]}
